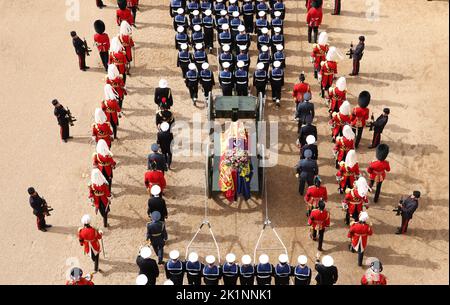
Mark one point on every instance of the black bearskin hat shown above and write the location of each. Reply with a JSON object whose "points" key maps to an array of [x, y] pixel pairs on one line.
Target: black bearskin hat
{"points": [[382, 152], [364, 99], [99, 26]]}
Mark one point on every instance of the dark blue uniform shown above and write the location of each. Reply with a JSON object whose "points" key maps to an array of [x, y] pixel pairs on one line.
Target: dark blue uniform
{"points": [[242, 40], [206, 5], [260, 81], [276, 23], [259, 24], [307, 170], [158, 159], [279, 6], [200, 57], [302, 275], [279, 56], [197, 37], [196, 20], [263, 40], [174, 6], [247, 275], [282, 274], [192, 83], [230, 274], [175, 271], [211, 275], [226, 82], [264, 273], [181, 38], [276, 82], [235, 22], [243, 56], [248, 10], [208, 29], [305, 111], [218, 7], [180, 20], [276, 39], [155, 232], [226, 57], [264, 57], [207, 81], [241, 79], [225, 38], [221, 21], [194, 272], [184, 59], [193, 6]]}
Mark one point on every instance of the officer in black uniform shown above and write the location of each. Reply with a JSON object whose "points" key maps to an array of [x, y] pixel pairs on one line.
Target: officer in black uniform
{"points": [[241, 79], [175, 268], [63, 120], [247, 271], [184, 59], [208, 29], [147, 265], [407, 208], [306, 130], [264, 270], [155, 231], [378, 127], [260, 79], [230, 270], [312, 146], [80, 49], [161, 92], [276, 82], [305, 110], [191, 81], [165, 138], [306, 169], [211, 272], [155, 156], [302, 273], [357, 55], [39, 206], [283, 270], [207, 79], [193, 269], [226, 80]]}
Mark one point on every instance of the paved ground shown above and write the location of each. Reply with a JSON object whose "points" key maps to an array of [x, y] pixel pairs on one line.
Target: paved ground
{"points": [[402, 68]]}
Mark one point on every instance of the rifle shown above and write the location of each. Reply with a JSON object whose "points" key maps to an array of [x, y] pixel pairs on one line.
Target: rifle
{"points": [[350, 51], [70, 117], [371, 123], [88, 50]]}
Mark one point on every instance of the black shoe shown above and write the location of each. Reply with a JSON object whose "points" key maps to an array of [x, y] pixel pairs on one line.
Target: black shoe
{"points": [[43, 230], [161, 263], [87, 67], [65, 140], [320, 249], [48, 226], [398, 232], [371, 147]]}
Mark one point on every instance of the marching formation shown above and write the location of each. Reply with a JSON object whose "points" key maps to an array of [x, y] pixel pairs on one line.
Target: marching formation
{"points": [[234, 25]]}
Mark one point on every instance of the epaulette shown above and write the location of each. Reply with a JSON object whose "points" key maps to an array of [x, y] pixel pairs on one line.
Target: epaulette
{"points": [[322, 63], [342, 163], [80, 228], [347, 190], [352, 222]]}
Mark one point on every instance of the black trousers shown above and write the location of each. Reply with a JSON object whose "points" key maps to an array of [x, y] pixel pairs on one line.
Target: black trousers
{"points": [[95, 259], [40, 221], [404, 225], [134, 12], [358, 132], [193, 90], [206, 90], [377, 190], [64, 131], [247, 281], [211, 282], [312, 29], [337, 7], [263, 281], [82, 61], [261, 89], [360, 256], [355, 66], [241, 90], [321, 234], [194, 279], [168, 157], [248, 23], [376, 139], [227, 90], [114, 128], [355, 216], [104, 56], [209, 38], [159, 250], [301, 185], [104, 212], [281, 280], [230, 280], [276, 90]]}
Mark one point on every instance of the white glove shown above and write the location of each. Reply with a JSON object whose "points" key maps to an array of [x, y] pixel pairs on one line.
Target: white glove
{"points": [[311, 59]]}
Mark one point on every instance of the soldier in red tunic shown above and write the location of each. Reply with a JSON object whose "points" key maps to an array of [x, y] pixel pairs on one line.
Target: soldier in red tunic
{"points": [[133, 6], [319, 219], [344, 144], [116, 81], [360, 115], [77, 279], [319, 52], [154, 177], [359, 233], [377, 169], [99, 194], [89, 239], [355, 199], [110, 106], [337, 95], [373, 275], [103, 160], [101, 41], [101, 129], [328, 69], [123, 13], [118, 57], [299, 90], [348, 171], [314, 194], [339, 120], [313, 21], [126, 39]]}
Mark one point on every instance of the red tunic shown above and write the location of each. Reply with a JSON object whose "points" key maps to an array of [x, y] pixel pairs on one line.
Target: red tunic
{"points": [[328, 69], [102, 131], [124, 15], [359, 233], [155, 178], [299, 90], [314, 17], [338, 122], [81, 282], [319, 54], [111, 108], [337, 97], [102, 42], [106, 163], [100, 194], [314, 194], [377, 170], [119, 59], [127, 42], [319, 219], [342, 146], [132, 3], [89, 238], [347, 173], [118, 85], [373, 279], [359, 117], [354, 201]]}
